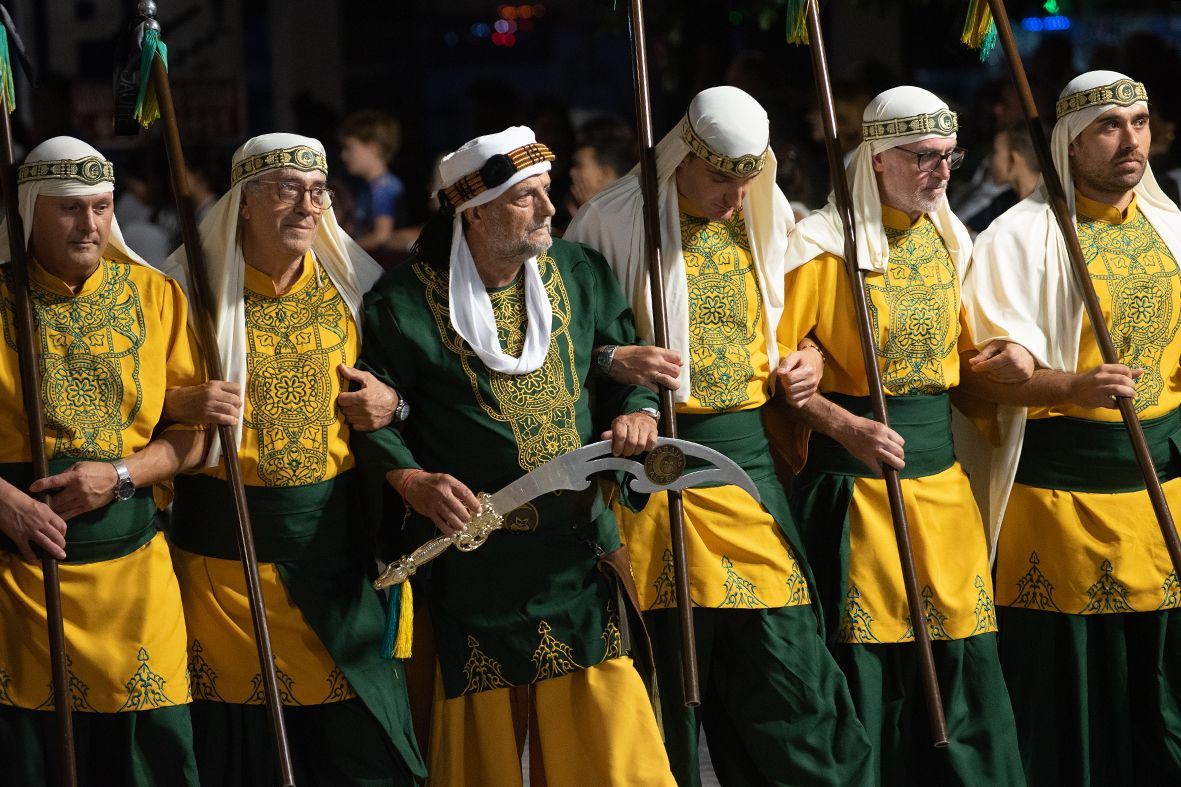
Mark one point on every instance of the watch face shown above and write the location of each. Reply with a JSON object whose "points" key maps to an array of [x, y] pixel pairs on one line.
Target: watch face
{"points": [[125, 490]]}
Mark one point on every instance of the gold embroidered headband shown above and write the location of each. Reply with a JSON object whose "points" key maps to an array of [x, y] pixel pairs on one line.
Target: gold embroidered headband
{"points": [[300, 157], [741, 166], [91, 170], [942, 121], [496, 171], [1123, 92]]}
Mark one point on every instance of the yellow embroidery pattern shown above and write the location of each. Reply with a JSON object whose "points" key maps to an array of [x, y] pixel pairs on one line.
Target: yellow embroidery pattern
{"points": [[612, 638], [539, 406], [482, 672], [1140, 274], [722, 323], [920, 296], [89, 356], [290, 342], [553, 658]]}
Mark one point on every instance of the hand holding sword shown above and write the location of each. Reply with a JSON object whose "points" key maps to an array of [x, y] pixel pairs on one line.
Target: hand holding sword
{"points": [[662, 470]]}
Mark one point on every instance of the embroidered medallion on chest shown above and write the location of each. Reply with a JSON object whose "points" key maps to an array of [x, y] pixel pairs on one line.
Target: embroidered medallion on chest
{"points": [[920, 296], [294, 343], [89, 359], [1141, 279], [725, 309], [539, 406]]}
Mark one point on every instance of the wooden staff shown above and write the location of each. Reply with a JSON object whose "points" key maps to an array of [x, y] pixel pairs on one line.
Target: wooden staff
{"points": [[30, 373], [668, 415], [1082, 275], [844, 202], [201, 300]]}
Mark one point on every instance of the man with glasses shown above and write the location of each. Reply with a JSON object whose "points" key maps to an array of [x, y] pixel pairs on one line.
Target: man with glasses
{"points": [[287, 285], [776, 708], [913, 252], [1087, 597]]}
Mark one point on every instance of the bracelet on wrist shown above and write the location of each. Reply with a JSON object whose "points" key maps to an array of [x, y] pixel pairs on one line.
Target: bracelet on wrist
{"points": [[406, 481]]}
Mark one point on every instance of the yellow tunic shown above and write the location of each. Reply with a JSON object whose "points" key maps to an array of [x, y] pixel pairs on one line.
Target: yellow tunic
{"points": [[737, 555], [107, 355], [292, 435], [1091, 553], [916, 315]]}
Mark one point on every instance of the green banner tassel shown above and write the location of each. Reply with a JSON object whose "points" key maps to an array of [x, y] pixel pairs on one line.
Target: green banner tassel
{"points": [[399, 623], [147, 108], [797, 21], [6, 85], [979, 28]]}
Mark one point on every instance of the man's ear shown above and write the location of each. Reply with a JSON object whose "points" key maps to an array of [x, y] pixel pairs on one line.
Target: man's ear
{"points": [[878, 164], [244, 207]]}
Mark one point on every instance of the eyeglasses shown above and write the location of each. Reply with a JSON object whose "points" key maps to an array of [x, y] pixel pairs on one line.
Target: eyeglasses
{"points": [[291, 192], [931, 161]]}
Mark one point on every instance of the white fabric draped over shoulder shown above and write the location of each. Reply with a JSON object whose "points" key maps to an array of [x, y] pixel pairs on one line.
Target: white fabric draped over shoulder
{"points": [[823, 231], [60, 149], [351, 269], [1021, 287], [733, 124], [467, 297]]}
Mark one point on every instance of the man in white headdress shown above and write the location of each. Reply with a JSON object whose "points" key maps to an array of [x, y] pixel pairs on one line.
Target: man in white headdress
{"points": [[111, 338], [913, 252], [1088, 599], [773, 712], [287, 286], [489, 329]]}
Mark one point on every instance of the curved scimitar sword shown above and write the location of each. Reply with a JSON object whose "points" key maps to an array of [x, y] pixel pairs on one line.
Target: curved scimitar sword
{"points": [[663, 469]]}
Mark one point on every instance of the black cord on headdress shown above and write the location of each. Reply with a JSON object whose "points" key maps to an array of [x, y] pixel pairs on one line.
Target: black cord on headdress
{"points": [[434, 242]]}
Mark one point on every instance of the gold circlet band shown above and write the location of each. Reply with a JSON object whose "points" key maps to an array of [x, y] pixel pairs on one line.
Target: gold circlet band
{"points": [[473, 185], [300, 157], [742, 166], [91, 170], [943, 121], [1122, 92]]}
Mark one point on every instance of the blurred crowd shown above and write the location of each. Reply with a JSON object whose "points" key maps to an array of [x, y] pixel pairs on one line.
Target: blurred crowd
{"points": [[384, 191]]}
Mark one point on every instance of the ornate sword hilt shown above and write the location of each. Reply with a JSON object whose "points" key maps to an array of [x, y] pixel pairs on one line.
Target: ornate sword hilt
{"points": [[471, 537]]}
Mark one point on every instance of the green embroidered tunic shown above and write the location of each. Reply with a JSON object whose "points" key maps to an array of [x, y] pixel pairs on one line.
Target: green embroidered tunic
{"points": [[529, 604]]}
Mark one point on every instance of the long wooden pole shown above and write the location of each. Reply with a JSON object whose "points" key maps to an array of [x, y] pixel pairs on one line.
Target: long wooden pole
{"points": [[668, 414], [200, 300], [26, 333], [1094, 309], [844, 201]]}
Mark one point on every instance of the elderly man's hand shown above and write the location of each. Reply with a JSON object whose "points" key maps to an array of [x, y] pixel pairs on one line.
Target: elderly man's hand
{"points": [[371, 406], [214, 402], [81, 487], [799, 375], [440, 497], [632, 434], [29, 523], [1004, 362], [651, 367]]}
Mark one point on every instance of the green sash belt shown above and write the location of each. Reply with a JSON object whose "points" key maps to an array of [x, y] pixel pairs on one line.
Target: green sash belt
{"points": [[316, 536], [1078, 455], [923, 421], [289, 523], [823, 492], [109, 532]]}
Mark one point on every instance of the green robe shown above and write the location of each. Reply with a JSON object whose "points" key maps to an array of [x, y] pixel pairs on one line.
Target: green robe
{"points": [[529, 604]]}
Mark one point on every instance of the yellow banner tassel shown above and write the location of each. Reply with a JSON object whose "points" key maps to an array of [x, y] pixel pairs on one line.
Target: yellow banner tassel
{"points": [[797, 21], [405, 637], [979, 28]]}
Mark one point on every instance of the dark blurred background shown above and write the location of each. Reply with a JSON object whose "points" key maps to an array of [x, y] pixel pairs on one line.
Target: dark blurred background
{"points": [[443, 71]]}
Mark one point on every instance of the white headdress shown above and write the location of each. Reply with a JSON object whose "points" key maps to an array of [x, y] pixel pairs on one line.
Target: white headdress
{"points": [[65, 167], [899, 116]]}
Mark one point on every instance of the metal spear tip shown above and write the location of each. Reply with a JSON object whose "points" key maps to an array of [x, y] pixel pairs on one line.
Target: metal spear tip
{"points": [[146, 8]]}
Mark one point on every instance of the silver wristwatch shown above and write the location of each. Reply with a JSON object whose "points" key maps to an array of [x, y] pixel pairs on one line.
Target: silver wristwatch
{"points": [[402, 411], [124, 486], [604, 359], [652, 411]]}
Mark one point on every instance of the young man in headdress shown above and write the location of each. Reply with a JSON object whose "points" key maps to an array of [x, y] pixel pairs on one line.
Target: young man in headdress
{"points": [[489, 332], [1087, 595], [776, 709], [287, 287], [914, 253], [111, 339]]}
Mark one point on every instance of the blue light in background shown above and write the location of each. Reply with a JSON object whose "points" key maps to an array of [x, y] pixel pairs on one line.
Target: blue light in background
{"points": [[1050, 24]]}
